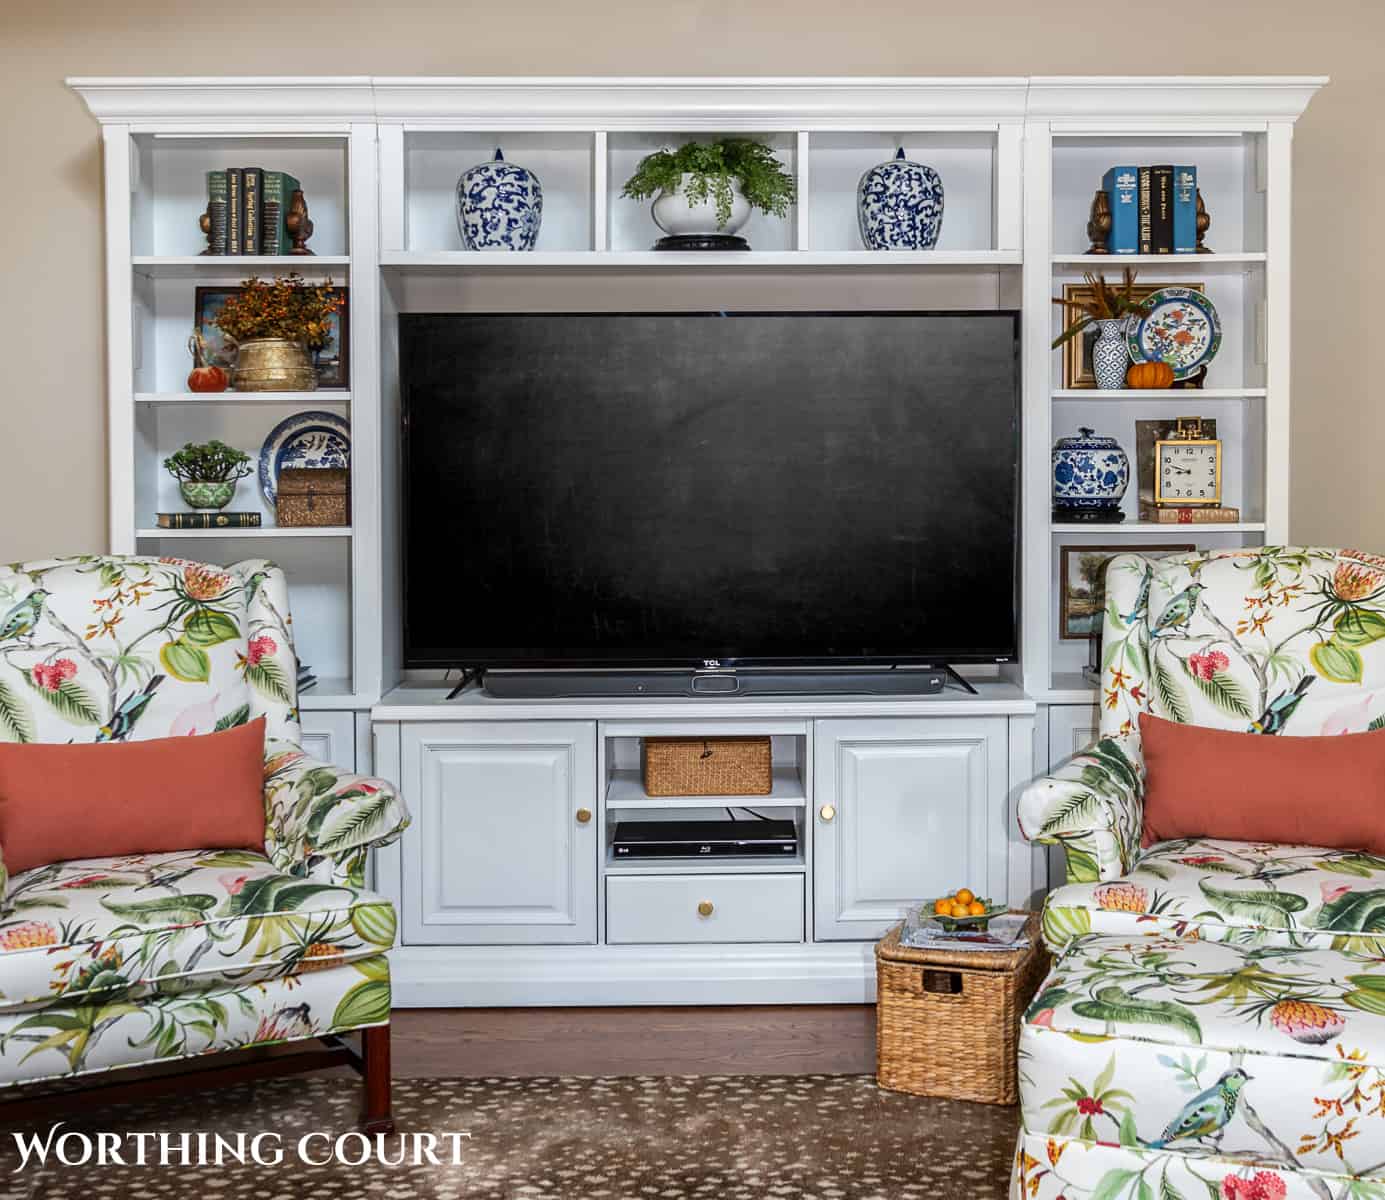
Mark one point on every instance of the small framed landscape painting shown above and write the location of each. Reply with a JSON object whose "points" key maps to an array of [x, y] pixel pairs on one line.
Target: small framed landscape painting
{"points": [[1082, 579], [333, 361], [1077, 351]]}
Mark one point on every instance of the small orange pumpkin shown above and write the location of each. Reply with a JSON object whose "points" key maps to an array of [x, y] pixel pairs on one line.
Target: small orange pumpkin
{"points": [[1149, 375]]}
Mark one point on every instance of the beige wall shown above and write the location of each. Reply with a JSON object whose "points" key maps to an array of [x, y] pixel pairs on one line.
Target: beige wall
{"points": [[52, 456]]}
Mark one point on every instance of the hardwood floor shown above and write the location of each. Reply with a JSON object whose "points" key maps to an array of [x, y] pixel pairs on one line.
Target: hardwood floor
{"points": [[804, 1040]]}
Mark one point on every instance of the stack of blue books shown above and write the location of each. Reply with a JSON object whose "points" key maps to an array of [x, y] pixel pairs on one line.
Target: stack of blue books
{"points": [[1153, 209]]}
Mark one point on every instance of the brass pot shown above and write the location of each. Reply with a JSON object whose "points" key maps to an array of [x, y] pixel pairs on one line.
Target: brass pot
{"points": [[273, 365]]}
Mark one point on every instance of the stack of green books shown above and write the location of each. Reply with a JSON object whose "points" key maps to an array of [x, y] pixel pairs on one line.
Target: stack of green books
{"points": [[247, 208]]}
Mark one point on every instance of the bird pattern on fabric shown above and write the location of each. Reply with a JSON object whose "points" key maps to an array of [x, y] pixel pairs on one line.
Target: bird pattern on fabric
{"points": [[21, 620], [1207, 1114], [129, 711], [1281, 708], [1179, 611]]}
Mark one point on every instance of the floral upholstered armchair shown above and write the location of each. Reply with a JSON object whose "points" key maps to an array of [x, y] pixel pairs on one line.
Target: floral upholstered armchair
{"points": [[1272, 640], [1214, 1021], [108, 963]]}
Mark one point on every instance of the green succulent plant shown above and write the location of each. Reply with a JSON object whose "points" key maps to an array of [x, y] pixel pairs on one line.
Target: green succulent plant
{"points": [[207, 462]]}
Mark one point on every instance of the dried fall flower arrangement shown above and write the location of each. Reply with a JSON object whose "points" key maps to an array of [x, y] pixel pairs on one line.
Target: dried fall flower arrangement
{"points": [[287, 307]]}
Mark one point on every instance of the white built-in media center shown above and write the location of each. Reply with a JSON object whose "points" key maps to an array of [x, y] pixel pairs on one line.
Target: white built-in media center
{"points": [[506, 886]]}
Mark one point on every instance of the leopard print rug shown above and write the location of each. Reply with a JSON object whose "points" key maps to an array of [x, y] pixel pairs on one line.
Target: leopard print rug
{"points": [[811, 1137]]}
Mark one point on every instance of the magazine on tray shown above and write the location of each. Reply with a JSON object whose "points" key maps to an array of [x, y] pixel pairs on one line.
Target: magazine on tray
{"points": [[1005, 932]]}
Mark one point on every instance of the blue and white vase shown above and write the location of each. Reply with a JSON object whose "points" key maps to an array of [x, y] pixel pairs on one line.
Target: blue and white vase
{"points": [[900, 205], [1089, 472], [1110, 354], [499, 206]]}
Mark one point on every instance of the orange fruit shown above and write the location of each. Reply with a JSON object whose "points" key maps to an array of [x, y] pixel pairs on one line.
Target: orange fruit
{"points": [[960, 910], [965, 895], [942, 907], [976, 909]]}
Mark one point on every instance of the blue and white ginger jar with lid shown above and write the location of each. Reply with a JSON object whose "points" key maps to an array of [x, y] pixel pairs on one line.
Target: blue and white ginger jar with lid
{"points": [[499, 206], [900, 205], [1089, 472]]}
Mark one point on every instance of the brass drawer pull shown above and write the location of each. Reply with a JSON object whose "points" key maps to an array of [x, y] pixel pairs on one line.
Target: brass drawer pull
{"points": [[583, 815], [704, 909], [827, 812]]}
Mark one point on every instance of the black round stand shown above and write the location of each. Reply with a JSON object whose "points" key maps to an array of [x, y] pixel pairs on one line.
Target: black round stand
{"points": [[1106, 515], [702, 241]]}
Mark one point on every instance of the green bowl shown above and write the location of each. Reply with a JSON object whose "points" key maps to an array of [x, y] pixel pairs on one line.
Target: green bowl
{"points": [[979, 923]]}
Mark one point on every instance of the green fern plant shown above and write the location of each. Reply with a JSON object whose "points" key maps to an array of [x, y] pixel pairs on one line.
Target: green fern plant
{"points": [[712, 166]]}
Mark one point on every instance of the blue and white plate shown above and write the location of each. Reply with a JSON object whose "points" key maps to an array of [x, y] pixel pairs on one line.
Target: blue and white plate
{"points": [[1180, 327], [306, 439]]}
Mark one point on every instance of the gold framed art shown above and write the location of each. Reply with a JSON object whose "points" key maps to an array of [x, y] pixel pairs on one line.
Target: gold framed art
{"points": [[1082, 583], [1077, 351]]}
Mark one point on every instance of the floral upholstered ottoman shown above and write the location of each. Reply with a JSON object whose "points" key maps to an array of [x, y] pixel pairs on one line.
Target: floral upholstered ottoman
{"points": [[1155, 1067]]}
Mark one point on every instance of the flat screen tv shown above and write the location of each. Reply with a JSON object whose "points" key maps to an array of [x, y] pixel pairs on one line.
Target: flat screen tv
{"points": [[758, 489]]}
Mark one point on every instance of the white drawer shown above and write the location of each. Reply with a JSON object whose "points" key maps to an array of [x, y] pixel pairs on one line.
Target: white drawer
{"points": [[663, 909]]}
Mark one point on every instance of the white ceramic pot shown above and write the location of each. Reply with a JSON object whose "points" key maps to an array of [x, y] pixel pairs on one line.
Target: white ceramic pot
{"points": [[677, 216]]}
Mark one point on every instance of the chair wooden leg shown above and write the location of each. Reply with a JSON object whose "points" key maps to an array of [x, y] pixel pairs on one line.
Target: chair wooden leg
{"points": [[376, 1116]]}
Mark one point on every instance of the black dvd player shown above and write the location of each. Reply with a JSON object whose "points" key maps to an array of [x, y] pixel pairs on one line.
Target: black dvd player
{"points": [[704, 839]]}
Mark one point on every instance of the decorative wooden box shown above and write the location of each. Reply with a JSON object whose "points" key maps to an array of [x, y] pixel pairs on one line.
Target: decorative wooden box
{"points": [[720, 766], [313, 496]]}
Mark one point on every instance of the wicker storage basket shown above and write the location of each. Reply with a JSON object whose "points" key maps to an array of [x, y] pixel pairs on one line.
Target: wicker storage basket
{"points": [[313, 496], [947, 1022], [722, 766]]}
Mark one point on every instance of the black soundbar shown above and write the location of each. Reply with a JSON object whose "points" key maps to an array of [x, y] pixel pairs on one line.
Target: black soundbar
{"points": [[510, 684], [704, 839]]}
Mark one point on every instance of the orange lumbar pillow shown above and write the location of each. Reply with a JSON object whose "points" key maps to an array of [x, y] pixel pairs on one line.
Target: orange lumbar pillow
{"points": [[1253, 787], [106, 800]]}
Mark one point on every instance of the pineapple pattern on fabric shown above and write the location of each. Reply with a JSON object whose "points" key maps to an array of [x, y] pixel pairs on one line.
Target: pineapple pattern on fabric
{"points": [[1244, 892], [101, 930], [1265, 640], [1177, 1067]]}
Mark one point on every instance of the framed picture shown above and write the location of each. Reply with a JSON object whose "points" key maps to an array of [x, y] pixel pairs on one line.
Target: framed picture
{"points": [[333, 361], [1082, 584], [1077, 352]]}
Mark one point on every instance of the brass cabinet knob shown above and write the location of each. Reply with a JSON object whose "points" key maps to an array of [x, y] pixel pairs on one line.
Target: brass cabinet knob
{"points": [[704, 909], [583, 815], [827, 812]]}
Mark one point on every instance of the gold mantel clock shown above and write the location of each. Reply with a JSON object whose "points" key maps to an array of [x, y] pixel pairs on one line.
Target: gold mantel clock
{"points": [[1187, 466]]}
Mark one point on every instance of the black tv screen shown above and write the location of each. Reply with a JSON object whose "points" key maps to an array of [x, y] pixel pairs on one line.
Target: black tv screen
{"points": [[663, 489]]}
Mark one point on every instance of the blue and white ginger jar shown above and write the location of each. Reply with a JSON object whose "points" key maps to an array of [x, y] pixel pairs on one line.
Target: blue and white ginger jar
{"points": [[1089, 471], [900, 205], [499, 206]]}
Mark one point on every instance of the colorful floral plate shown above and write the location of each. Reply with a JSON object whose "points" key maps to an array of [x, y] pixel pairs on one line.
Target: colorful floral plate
{"points": [[306, 439], [1179, 327]]}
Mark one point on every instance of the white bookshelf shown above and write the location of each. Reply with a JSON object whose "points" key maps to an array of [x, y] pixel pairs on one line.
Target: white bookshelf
{"points": [[379, 160]]}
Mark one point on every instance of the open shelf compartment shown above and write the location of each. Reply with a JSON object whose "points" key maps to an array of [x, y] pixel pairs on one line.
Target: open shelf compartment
{"points": [[563, 161], [169, 186], [1230, 176], [964, 159]]}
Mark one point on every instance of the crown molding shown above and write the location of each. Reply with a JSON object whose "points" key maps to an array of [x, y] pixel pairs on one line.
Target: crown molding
{"points": [[539, 102], [699, 103], [1200, 100], [267, 102]]}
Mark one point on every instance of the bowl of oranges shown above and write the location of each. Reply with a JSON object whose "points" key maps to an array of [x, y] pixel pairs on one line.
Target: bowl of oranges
{"points": [[964, 909]]}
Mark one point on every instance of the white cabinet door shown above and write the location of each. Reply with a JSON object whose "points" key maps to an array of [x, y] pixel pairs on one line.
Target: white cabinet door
{"points": [[905, 809], [1071, 727], [503, 847], [330, 737]]}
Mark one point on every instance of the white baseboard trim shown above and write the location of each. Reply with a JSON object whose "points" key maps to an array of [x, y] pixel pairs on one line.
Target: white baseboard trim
{"points": [[536, 976]]}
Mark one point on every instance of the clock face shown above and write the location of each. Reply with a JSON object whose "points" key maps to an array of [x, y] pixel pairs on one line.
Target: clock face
{"points": [[1188, 473]]}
